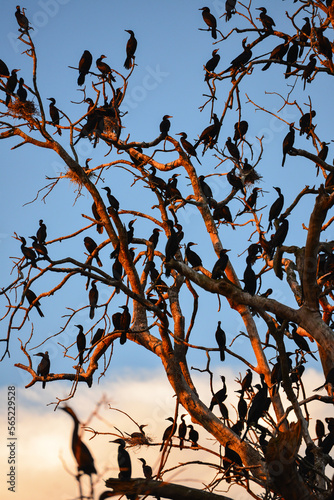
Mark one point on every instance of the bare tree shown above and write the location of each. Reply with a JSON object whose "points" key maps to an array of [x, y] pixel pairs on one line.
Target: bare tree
{"points": [[263, 446]]}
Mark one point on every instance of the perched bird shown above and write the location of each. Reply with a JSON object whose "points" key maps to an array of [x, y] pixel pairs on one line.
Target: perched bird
{"points": [[193, 436], [309, 68], [210, 20], [304, 34], [168, 433], [91, 246], [172, 244], [275, 208], [123, 459], [187, 146], [277, 53], [84, 66], [243, 58], [81, 343], [28, 253], [93, 298], [124, 323], [278, 238], [220, 336], [211, 65], [43, 368], [220, 266], [259, 405], [21, 91], [301, 341], [291, 56], [235, 181], [246, 383], [206, 190], [232, 149], [82, 455], [31, 298], [267, 21], [54, 113], [99, 227], [305, 123], [154, 238], [11, 85], [240, 130], [114, 203], [251, 201], [147, 469], [165, 125], [22, 20], [219, 396], [104, 69], [242, 407], [222, 212], [41, 232], [40, 249], [288, 142], [209, 135], [97, 336], [229, 9], [182, 431], [192, 258], [249, 278], [131, 47], [230, 460]]}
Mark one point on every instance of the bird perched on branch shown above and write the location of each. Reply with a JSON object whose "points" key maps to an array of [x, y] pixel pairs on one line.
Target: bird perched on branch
{"points": [[84, 66], [123, 459], [81, 343], [218, 269], [305, 123], [304, 34], [41, 232], [43, 368], [242, 58], [193, 436], [229, 9], [291, 56], [209, 135], [275, 208], [21, 91], [165, 125], [32, 299], [240, 129], [288, 142], [105, 69], [169, 432], [182, 431], [91, 246], [124, 323], [328, 381], [211, 65], [54, 113], [147, 469], [277, 53], [28, 253], [301, 341], [82, 455], [220, 336], [40, 249], [310, 67], [187, 146], [22, 20], [219, 396], [210, 20], [250, 202], [11, 85], [93, 298], [267, 21], [114, 203], [131, 47], [192, 258]]}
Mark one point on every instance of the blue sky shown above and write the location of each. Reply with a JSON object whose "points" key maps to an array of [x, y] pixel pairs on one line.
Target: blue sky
{"points": [[169, 79]]}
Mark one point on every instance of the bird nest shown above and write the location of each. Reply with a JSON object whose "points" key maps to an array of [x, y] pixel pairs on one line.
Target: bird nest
{"points": [[19, 109], [110, 127], [251, 177], [138, 440]]}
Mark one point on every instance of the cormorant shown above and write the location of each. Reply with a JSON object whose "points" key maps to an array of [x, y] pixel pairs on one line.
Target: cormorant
{"points": [[278, 53], [278, 238], [211, 65], [139, 435], [240, 129], [222, 212], [84, 66], [192, 258], [305, 123], [206, 190], [210, 20], [266, 20], [187, 146], [21, 91], [97, 336], [301, 341], [105, 69], [43, 368], [323, 151], [242, 406], [221, 341], [81, 343], [232, 149], [165, 125], [172, 244], [193, 436], [229, 9], [319, 430], [31, 297], [288, 142], [10, 85], [117, 271], [54, 113], [246, 383], [123, 459], [93, 298], [220, 266], [251, 201], [242, 58], [291, 57], [235, 181], [80, 451], [40, 249], [310, 67], [28, 253], [131, 47], [304, 34], [91, 246], [275, 208], [230, 459], [209, 135], [157, 181], [21, 19], [130, 231], [249, 278], [124, 323], [154, 238], [220, 396], [182, 431], [259, 405], [99, 227], [114, 203], [168, 433], [147, 469]]}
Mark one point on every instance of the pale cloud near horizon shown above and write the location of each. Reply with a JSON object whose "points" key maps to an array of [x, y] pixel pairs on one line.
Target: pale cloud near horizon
{"points": [[43, 445]]}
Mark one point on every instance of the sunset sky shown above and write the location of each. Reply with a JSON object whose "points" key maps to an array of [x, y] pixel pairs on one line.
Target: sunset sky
{"points": [[168, 79]]}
